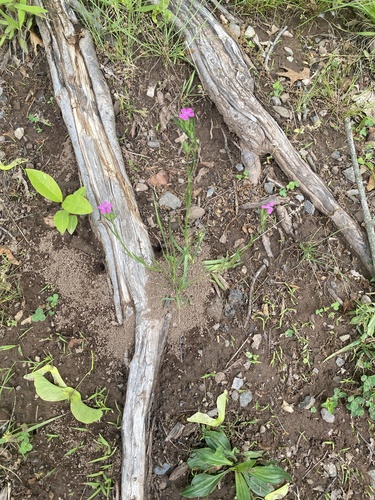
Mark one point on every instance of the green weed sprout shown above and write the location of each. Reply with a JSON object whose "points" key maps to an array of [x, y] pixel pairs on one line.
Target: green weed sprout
{"points": [[156, 9], [218, 458], [12, 164], [20, 437], [365, 398], [16, 18], [332, 402], [59, 391], [74, 204]]}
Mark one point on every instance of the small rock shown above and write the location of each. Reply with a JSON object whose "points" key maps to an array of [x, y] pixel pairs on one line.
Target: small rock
{"points": [[349, 174], [289, 51], [315, 119], [239, 167], [359, 216], [257, 339], [287, 34], [237, 383], [141, 187], [153, 144], [269, 187], [250, 32], [307, 403], [276, 101], [283, 112], [335, 170], [262, 429], [213, 413], [300, 197], [330, 469], [327, 416], [245, 398], [235, 29], [287, 407], [215, 309], [309, 207], [169, 200], [196, 213], [344, 338], [336, 155], [19, 133], [2, 138], [234, 395], [220, 377], [284, 97], [340, 361], [160, 471], [210, 192], [290, 58], [371, 474], [365, 299], [235, 297]]}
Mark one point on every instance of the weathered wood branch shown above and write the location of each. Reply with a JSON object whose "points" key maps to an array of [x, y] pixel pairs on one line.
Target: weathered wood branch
{"points": [[229, 83], [83, 96]]}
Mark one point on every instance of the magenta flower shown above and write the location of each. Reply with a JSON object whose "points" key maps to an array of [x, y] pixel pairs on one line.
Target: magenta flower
{"points": [[105, 208], [269, 207], [186, 113]]}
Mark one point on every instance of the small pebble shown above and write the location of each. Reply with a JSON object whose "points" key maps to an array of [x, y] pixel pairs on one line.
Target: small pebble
{"points": [[269, 187], [290, 58], [210, 192], [340, 361], [327, 416], [283, 112], [250, 32], [336, 155], [19, 133], [366, 299], [235, 29], [276, 101], [239, 167], [314, 119], [237, 383], [309, 207], [245, 398], [284, 97], [160, 471], [300, 197], [349, 174], [169, 200], [141, 187], [153, 144], [196, 213], [289, 51]]}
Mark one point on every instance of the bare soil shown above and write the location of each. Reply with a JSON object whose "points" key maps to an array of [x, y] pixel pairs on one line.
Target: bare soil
{"points": [[208, 342]]}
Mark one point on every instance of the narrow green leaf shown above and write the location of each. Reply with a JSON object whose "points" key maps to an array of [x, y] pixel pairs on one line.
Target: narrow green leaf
{"points": [[202, 485], [45, 185], [13, 164], [61, 220], [72, 223], [33, 9], [242, 489], [82, 412], [77, 204]]}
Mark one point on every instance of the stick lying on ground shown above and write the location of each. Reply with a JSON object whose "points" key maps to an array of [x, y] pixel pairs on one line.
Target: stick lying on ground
{"points": [[228, 81]]}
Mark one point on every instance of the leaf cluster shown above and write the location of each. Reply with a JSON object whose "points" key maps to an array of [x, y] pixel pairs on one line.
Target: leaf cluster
{"points": [[73, 205], [253, 475]]}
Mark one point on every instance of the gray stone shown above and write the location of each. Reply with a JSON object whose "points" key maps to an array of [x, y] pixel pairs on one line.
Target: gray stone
{"points": [[327, 416], [309, 207], [269, 187], [336, 155], [281, 111], [289, 51], [153, 144], [237, 383], [284, 97], [300, 197], [196, 213], [239, 167], [349, 174], [210, 192], [235, 29], [160, 471], [307, 403], [276, 101], [245, 398], [340, 361], [315, 119], [169, 200], [330, 469], [235, 395], [235, 297], [371, 474], [250, 32]]}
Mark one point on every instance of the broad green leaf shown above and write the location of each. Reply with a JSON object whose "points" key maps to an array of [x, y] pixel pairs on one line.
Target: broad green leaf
{"points": [[202, 485], [72, 223], [242, 489], [270, 474], [209, 457], [33, 9], [216, 439], [48, 391], [258, 486], [278, 494], [61, 220], [81, 191], [77, 204], [13, 164], [202, 418], [245, 466], [47, 369], [45, 185], [82, 412]]}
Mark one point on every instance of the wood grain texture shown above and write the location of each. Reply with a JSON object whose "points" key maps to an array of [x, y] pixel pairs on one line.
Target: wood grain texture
{"points": [[84, 98]]}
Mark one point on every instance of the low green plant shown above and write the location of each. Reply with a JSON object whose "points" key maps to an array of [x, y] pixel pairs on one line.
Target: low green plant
{"points": [[41, 313], [156, 9], [364, 399], [252, 358], [277, 88], [331, 310], [332, 402], [12, 164], [252, 473], [59, 391], [37, 121], [363, 348], [100, 481], [291, 186], [20, 437], [16, 20], [74, 204], [364, 125]]}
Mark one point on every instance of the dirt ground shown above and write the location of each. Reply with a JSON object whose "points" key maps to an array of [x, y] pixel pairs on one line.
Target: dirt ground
{"points": [[278, 358]]}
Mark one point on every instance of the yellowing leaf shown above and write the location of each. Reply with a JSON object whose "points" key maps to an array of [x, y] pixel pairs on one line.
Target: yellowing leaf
{"points": [[278, 494], [35, 41], [294, 76], [204, 419], [371, 183]]}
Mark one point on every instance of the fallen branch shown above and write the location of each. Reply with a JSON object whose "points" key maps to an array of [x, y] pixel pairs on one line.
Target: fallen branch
{"points": [[230, 85], [369, 221]]}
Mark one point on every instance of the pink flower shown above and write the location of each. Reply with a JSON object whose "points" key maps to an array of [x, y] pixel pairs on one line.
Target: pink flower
{"points": [[269, 207], [186, 113], [105, 208]]}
